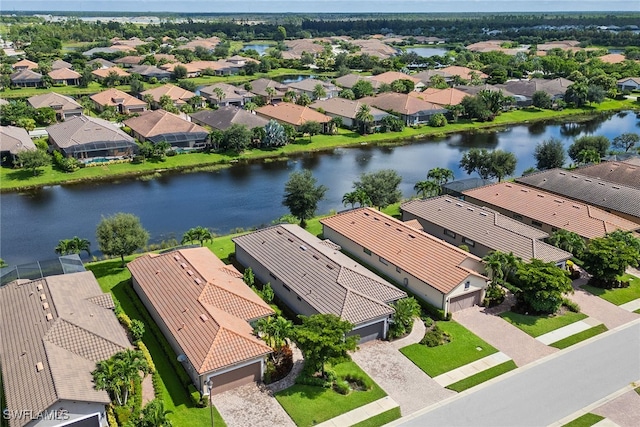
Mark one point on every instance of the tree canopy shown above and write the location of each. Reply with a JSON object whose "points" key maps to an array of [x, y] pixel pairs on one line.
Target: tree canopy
{"points": [[550, 154], [301, 195], [542, 285], [626, 141], [607, 258], [489, 164], [121, 234], [600, 144], [382, 187]]}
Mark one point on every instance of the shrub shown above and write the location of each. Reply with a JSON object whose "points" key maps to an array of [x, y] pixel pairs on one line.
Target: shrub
{"points": [[67, 164], [137, 329], [195, 395], [111, 417], [145, 352], [284, 357], [571, 306], [494, 296], [438, 120], [435, 337], [330, 375], [342, 387], [157, 384], [137, 396], [314, 381], [124, 320], [122, 414], [358, 381]]}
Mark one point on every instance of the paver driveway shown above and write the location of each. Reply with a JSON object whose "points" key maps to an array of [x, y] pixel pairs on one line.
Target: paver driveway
{"points": [[593, 306], [251, 405], [623, 410], [522, 348]]}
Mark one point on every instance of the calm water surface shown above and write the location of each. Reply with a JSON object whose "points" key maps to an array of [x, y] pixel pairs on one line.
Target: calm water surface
{"points": [[426, 52], [31, 224]]}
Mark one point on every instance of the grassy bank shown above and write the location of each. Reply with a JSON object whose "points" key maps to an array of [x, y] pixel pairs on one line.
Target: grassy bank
{"points": [[17, 179]]}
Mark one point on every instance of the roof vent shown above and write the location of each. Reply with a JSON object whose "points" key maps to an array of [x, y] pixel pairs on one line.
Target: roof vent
{"points": [[508, 185], [524, 191], [198, 281], [45, 305], [540, 195], [483, 213], [190, 273], [459, 204], [601, 183], [204, 317], [39, 287], [315, 256], [49, 317], [279, 231], [303, 247], [559, 201], [576, 206], [183, 265], [176, 257], [588, 180], [43, 297], [613, 186], [329, 266], [39, 367], [562, 173], [447, 200], [290, 239], [470, 209]]}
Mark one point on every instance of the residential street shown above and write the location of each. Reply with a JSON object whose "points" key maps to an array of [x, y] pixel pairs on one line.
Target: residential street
{"points": [[548, 391]]}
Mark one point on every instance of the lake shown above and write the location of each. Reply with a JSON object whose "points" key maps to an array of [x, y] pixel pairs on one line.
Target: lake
{"points": [[426, 52], [260, 48], [250, 195]]}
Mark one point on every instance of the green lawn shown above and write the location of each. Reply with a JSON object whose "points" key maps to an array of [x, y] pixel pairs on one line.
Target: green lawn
{"points": [[380, 419], [587, 420], [462, 349], [540, 325], [112, 277], [621, 295], [580, 336], [309, 405], [483, 376]]}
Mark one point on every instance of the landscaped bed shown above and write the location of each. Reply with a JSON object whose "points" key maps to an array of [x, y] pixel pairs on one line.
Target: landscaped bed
{"points": [[309, 405], [618, 296], [464, 348], [540, 325], [580, 336], [483, 376]]}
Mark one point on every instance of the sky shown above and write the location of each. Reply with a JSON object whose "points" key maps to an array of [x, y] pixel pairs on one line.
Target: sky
{"points": [[320, 6]]}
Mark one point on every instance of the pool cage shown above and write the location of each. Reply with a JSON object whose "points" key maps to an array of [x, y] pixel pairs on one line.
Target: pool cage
{"points": [[36, 270]]}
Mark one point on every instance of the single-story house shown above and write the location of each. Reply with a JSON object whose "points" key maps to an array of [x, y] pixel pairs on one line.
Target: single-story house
{"points": [[464, 72], [86, 138], [25, 64], [311, 277], [474, 90], [437, 272], [208, 43], [178, 95], [206, 312], [374, 47], [523, 90], [619, 172], [148, 71], [13, 140], [480, 229], [102, 73], [391, 76], [547, 211], [224, 117], [192, 69], [64, 106], [26, 78], [54, 331], [308, 86], [124, 103], [617, 199], [240, 60], [129, 61], [347, 110], [65, 76], [412, 110], [293, 114], [457, 187], [162, 126], [425, 76], [100, 63], [231, 95], [441, 97], [349, 80], [59, 63], [613, 58], [629, 83], [259, 87]]}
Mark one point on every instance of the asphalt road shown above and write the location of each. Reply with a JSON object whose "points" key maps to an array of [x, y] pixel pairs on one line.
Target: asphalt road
{"points": [[545, 392]]}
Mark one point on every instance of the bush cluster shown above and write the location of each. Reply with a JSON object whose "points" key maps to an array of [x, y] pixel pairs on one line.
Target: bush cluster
{"points": [[435, 336]]}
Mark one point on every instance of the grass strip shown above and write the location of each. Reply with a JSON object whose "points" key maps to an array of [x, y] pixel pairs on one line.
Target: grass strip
{"points": [[483, 376], [587, 420], [380, 419], [580, 336], [540, 325]]}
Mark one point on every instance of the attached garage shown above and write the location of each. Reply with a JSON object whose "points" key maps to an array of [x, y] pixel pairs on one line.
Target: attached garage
{"points": [[461, 302], [370, 332], [236, 378]]}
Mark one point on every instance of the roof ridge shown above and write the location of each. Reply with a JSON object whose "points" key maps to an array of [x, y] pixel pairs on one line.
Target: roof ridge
{"points": [[61, 320], [256, 342], [224, 290]]}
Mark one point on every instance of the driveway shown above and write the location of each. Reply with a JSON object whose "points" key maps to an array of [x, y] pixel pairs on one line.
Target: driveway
{"points": [[623, 410], [403, 381], [251, 405], [593, 306], [522, 348]]}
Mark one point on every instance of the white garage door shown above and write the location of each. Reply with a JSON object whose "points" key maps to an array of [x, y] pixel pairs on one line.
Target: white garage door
{"points": [[464, 301]]}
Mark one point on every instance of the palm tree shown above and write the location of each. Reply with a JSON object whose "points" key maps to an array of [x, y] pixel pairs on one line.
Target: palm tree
{"points": [[349, 199], [80, 245], [319, 91], [200, 234], [568, 241], [427, 188], [282, 329], [154, 415], [64, 247], [271, 92], [303, 99], [148, 98], [364, 118], [362, 197], [250, 106], [501, 265], [106, 377], [264, 328], [219, 93], [440, 175], [289, 95]]}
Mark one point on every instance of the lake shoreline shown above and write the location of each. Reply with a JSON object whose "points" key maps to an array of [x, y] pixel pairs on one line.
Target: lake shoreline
{"points": [[335, 141]]}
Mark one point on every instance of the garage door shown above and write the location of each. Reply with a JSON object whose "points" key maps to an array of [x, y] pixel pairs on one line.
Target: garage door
{"points": [[236, 378], [370, 333], [464, 301]]}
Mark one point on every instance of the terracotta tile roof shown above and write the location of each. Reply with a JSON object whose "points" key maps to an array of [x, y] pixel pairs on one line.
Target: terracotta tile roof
{"points": [[25, 63], [619, 172], [116, 97], [191, 68], [604, 194], [54, 100], [15, 139], [224, 117], [68, 344], [400, 103], [177, 94], [64, 74], [375, 48], [486, 227], [202, 288], [433, 261], [129, 60], [345, 108], [293, 114], [158, 122], [326, 279], [104, 72], [450, 96], [391, 76], [547, 208], [208, 44], [613, 58], [463, 72]]}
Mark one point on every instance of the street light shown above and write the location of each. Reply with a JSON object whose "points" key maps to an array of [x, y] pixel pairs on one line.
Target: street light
{"points": [[209, 385]]}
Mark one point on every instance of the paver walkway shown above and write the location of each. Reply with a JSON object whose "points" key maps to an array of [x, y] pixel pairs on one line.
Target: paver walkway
{"points": [[362, 413], [470, 369], [508, 339], [403, 381], [623, 410], [251, 405], [148, 394], [567, 331], [593, 306]]}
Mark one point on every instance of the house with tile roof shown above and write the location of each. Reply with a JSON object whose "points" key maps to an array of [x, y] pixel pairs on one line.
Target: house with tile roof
{"points": [[225, 117], [412, 110], [307, 86], [85, 138], [349, 80], [13, 140], [480, 229], [523, 90], [129, 61], [617, 199], [311, 276], [54, 330], [628, 83], [148, 71], [621, 172], [65, 76], [463, 72], [613, 58], [178, 95], [437, 272], [192, 69], [442, 97], [391, 76], [102, 73], [231, 95], [207, 320], [64, 106], [26, 78], [547, 211], [293, 114], [259, 87], [161, 126], [25, 64], [347, 110], [59, 63], [100, 63], [124, 103]]}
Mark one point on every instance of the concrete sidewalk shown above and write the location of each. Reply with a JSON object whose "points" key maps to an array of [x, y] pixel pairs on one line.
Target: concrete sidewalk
{"points": [[567, 331], [631, 305], [470, 369], [362, 413]]}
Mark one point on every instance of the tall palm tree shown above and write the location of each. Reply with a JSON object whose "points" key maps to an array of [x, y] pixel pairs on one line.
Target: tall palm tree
{"points": [[289, 95], [349, 199], [250, 106], [440, 175], [427, 188], [501, 265], [106, 377], [64, 247], [80, 245], [364, 118], [154, 414], [282, 329], [362, 197], [271, 92], [319, 91], [219, 93], [199, 234]]}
